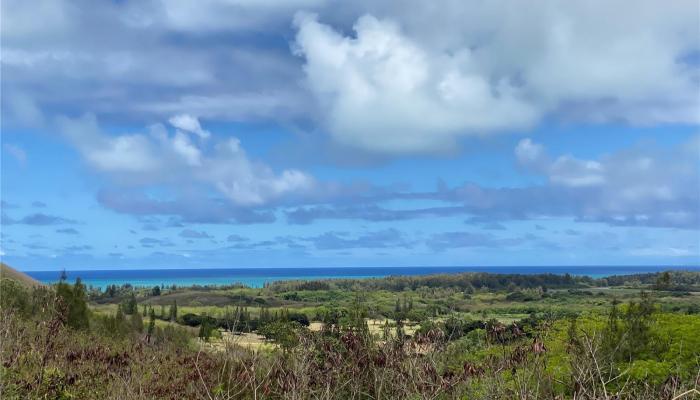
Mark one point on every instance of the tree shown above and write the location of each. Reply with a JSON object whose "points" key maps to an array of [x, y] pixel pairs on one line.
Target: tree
{"points": [[331, 321], [663, 282], [75, 300], [131, 306], [356, 317], [155, 291], [151, 325], [119, 327], [79, 310], [386, 332], [400, 334], [173, 311], [283, 333], [612, 334], [573, 341], [469, 289], [299, 318], [264, 315], [637, 321], [205, 329], [136, 323]]}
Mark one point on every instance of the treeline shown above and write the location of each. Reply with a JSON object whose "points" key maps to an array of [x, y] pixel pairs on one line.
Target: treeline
{"points": [[666, 280], [239, 320], [111, 292], [467, 281]]}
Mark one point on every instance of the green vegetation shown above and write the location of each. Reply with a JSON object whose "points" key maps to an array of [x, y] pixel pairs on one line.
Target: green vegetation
{"points": [[7, 272], [460, 336]]}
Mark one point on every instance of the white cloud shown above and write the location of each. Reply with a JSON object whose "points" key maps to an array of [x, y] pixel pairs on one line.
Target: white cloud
{"points": [[182, 146], [382, 92], [147, 60], [190, 124], [159, 158], [572, 172], [634, 186], [251, 184], [529, 153], [115, 154], [564, 170], [415, 76], [415, 79]]}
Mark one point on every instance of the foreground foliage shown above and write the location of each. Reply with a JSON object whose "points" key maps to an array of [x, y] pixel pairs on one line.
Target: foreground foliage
{"points": [[54, 347]]}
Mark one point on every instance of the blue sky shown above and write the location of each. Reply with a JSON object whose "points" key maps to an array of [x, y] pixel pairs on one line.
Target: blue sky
{"points": [[157, 134]]}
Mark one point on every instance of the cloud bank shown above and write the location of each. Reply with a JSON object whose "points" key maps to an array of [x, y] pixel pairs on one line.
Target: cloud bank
{"points": [[380, 76], [394, 87]]}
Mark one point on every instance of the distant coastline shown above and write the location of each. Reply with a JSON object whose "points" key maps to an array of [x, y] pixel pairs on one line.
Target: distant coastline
{"points": [[258, 277]]}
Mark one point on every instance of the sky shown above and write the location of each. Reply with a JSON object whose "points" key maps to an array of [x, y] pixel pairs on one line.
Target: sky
{"points": [[323, 133]]}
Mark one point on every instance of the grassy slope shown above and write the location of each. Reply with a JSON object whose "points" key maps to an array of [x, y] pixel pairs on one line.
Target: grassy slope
{"points": [[8, 272]]}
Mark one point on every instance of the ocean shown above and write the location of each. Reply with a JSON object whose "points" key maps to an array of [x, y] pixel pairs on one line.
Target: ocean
{"points": [[258, 277]]}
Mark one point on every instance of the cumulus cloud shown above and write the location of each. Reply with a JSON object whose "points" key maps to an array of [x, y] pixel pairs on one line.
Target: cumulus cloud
{"points": [[401, 85], [638, 186], [158, 157], [564, 170], [247, 183], [190, 124], [128, 154], [384, 92], [383, 79]]}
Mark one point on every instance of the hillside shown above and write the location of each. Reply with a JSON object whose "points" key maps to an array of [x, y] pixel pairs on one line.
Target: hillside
{"points": [[8, 272]]}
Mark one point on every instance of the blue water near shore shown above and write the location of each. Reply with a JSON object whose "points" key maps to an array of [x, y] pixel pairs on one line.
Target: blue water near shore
{"points": [[258, 277]]}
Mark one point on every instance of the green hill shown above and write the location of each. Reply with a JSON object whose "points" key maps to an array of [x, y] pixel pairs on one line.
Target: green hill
{"points": [[8, 272]]}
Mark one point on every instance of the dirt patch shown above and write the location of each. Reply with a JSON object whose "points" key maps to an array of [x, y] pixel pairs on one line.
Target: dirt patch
{"points": [[248, 340], [316, 326]]}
